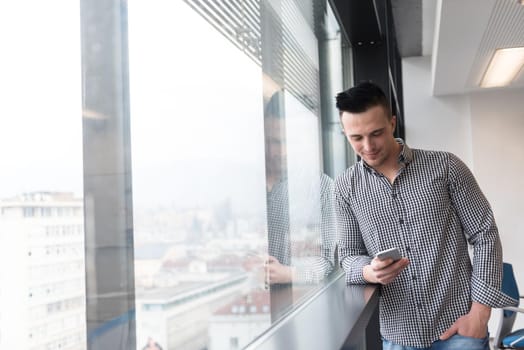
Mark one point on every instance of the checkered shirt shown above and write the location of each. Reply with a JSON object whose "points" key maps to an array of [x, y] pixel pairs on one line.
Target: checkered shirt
{"points": [[433, 209], [302, 233]]}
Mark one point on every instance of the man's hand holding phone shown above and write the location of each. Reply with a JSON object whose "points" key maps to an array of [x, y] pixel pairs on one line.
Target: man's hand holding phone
{"points": [[385, 267], [392, 253]]}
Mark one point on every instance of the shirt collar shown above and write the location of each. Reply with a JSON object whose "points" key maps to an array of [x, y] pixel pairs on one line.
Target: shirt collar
{"points": [[406, 154], [405, 157]]}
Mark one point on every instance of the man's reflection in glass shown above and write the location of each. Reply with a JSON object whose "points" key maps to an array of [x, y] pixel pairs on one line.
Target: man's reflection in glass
{"points": [[304, 257]]}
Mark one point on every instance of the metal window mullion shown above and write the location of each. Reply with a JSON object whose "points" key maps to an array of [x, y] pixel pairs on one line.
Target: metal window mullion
{"points": [[109, 260]]}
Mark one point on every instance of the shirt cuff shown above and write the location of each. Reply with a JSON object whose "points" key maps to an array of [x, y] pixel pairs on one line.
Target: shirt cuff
{"points": [[304, 275], [354, 265], [483, 293], [311, 270]]}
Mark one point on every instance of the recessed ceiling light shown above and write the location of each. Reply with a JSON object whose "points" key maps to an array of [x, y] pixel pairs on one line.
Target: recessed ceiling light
{"points": [[504, 67]]}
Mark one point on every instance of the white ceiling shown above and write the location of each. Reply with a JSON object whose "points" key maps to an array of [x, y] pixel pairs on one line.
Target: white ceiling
{"points": [[465, 35]]}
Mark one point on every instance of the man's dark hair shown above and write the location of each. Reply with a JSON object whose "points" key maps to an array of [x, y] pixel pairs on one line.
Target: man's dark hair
{"points": [[362, 97]]}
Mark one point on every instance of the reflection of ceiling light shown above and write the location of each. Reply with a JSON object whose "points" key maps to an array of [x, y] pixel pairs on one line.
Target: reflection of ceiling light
{"points": [[92, 114], [504, 67]]}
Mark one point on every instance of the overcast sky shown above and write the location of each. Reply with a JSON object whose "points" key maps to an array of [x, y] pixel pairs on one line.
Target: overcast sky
{"points": [[40, 103], [196, 106]]}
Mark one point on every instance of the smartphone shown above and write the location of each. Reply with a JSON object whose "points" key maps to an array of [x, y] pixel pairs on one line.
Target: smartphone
{"points": [[392, 253]]}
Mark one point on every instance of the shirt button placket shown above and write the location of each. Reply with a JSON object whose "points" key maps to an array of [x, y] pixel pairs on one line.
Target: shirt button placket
{"points": [[416, 298]]}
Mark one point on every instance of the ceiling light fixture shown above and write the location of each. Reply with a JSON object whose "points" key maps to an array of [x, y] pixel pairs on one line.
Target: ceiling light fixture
{"points": [[503, 67]]}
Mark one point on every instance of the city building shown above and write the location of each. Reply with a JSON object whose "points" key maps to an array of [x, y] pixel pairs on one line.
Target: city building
{"points": [[42, 285]]}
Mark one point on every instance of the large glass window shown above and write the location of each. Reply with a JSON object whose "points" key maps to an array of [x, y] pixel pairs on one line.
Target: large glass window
{"points": [[42, 276], [233, 219], [198, 181], [162, 171]]}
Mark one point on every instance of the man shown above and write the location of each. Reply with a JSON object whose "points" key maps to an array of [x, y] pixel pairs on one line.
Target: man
{"points": [[429, 206]]}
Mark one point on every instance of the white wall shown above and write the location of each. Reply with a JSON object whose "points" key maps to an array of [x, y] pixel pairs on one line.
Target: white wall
{"points": [[437, 123], [485, 129], [498, 152]]}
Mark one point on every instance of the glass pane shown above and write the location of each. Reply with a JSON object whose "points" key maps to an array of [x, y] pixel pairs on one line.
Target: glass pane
{"points": [[310, 198], [301, 223], [232, 212], [198, 181], [300, 209], [42, 277]]}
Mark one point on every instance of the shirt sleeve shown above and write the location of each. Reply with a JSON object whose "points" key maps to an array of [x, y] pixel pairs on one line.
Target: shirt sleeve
{"points": [[479, 225], [351, 249]]}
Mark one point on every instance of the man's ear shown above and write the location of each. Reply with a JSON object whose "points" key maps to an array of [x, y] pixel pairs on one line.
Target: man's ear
{"points": [[394, 122]]}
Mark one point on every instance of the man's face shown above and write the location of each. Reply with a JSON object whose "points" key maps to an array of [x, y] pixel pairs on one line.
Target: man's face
{"points": [[370, 133]]}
